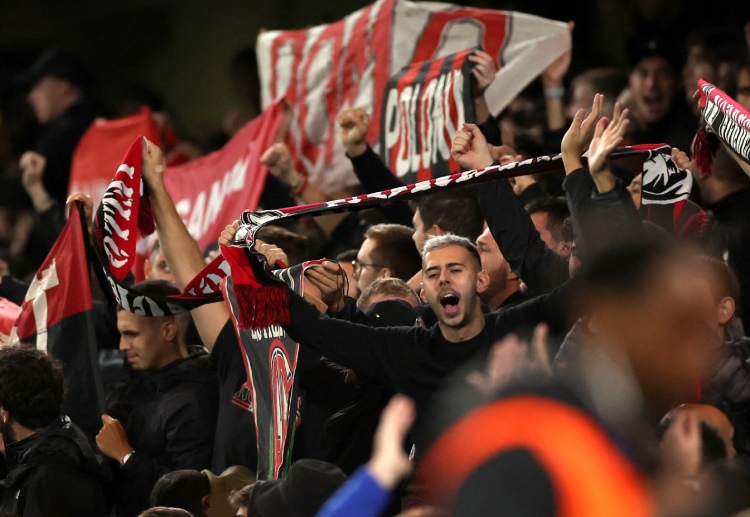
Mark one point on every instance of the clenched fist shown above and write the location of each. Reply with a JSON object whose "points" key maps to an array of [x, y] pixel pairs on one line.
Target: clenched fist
{"points": [[353, 125]]}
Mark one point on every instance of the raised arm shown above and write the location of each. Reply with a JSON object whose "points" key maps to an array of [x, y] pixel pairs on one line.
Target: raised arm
{"points": [[278, 159], [372, 173], [511, 226], [613, 217], [180, 249]]}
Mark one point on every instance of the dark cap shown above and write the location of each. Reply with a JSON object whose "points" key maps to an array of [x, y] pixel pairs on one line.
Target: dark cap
{"points": [[56, 63], [308, 485], [391, 313], [641, 47]]}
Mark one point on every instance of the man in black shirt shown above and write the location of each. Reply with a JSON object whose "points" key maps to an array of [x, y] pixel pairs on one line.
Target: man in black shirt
{"points": [[415, 360]]}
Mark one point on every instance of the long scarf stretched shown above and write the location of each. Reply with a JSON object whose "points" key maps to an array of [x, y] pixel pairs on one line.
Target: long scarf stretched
{"points": [[125, 210], [726, 121]]}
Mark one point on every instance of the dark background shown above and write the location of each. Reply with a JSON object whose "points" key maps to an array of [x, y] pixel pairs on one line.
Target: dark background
{"points": [[183, 48]]}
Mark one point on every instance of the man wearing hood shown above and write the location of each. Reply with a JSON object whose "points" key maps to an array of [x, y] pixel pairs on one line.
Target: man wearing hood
{"points": [[49, 466], [164, 417]]}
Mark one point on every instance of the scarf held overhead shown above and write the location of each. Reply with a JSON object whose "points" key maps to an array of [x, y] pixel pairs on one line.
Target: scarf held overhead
{"points": [[125, 210], [726, 119]]}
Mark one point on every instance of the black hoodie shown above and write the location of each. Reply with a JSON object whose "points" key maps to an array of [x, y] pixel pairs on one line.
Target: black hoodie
{"points": [[55, 472], [169, 416]]}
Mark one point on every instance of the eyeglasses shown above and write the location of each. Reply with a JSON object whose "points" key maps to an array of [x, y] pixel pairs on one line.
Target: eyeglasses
{"points": [[358, 266]]}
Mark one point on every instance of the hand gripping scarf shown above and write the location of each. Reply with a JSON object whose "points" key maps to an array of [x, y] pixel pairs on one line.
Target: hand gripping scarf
{"points": [[726, 121]]}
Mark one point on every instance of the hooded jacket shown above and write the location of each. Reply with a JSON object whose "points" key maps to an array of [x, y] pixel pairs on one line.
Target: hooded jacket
{"points": [[55, 472], [169, 416]]}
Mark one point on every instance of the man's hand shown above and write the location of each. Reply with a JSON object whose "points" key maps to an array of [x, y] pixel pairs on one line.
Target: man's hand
{"points": [[272, 253], [553, 75], [389, 463], [353, 125], [330, 279], [580, 133], [227, 235], [504, 154], [682, 160], [470, 148], [512, 359], [607, 136], [483, 71], [521, 183], [32, 164], [112, 440], [278, 159], [88, 208], [153, 165], [681, 445]]}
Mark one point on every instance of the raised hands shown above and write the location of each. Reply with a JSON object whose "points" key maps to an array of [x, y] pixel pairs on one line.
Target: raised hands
{"points": [[353, 125], [278, 159], [483, 71], [682, 160], [273, 253], [32, 164], [512, 359], [470, 148], [330, 279], [607, 136], [227, 235], [580, 133], [389, 463], [153, 164]]}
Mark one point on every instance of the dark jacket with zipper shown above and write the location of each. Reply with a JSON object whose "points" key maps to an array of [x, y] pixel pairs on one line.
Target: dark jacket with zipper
{"points": [[56, 472], [169, 416]]}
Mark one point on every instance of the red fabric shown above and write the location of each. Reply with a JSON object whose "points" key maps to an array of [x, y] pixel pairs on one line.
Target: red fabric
{"points": [[705, 147], [213, 190], [100, 150], [9, 312], [260, 305], [63, 278]]}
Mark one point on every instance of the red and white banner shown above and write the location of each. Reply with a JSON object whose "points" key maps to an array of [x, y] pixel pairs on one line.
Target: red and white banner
{"points": [[423, 107], [324, 69]]}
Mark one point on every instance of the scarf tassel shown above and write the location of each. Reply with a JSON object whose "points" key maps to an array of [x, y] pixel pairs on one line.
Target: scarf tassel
{"points": [[262, 307], [705, 147]]}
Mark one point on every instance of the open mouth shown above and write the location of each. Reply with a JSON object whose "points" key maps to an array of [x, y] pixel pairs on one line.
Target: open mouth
{"points": [[654, 101], [449, 301]]}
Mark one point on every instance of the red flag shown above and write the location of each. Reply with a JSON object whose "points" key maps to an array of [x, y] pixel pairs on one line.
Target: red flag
{"points": [[100, 150], [57, 317]]}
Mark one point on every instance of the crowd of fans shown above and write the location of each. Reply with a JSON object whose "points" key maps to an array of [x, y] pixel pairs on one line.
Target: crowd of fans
{"points": [[546, 345]]}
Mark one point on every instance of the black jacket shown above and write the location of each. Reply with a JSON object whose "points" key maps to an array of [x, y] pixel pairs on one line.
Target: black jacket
{"points": [[169, 416], [414, 360], [536, 265], [56, 472], [729, 236]]}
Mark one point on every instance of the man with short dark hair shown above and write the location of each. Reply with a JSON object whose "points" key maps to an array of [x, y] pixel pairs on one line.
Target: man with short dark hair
{"points": [[548, 215], [51, 468], [455, 212], [164, 417], [388, 251], [204, 494]]}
